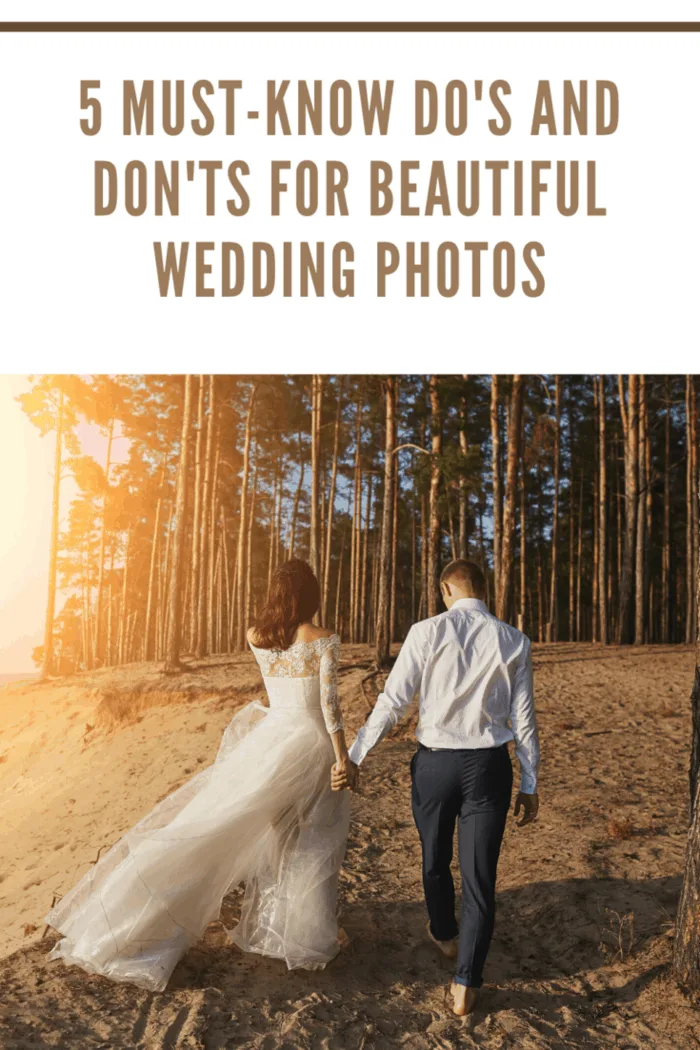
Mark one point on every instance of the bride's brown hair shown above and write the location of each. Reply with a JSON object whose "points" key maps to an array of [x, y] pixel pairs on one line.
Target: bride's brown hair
{"points": [[293, 599]]}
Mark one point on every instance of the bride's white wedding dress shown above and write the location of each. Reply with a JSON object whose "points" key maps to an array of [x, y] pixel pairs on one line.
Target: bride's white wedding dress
{"points": [[262, 814]]}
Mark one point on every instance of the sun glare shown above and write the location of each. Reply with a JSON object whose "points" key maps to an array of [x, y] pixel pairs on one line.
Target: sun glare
{"points": [[15, 473]]}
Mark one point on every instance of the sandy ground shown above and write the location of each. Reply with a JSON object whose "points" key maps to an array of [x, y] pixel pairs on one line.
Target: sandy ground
{"points": [[587, 896]]}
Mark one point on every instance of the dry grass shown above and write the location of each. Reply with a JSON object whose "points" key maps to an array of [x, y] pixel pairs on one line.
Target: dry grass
{"points": [[617, 936], [622, 829], [126, 706], [115, 708]]}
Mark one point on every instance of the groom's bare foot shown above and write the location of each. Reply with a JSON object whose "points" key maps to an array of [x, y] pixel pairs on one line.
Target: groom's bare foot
{"points": [[448, 948], [343, 938], [463, 999]]}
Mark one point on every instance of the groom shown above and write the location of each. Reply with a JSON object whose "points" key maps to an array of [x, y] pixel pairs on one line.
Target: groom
{"points": [[473, 675]]}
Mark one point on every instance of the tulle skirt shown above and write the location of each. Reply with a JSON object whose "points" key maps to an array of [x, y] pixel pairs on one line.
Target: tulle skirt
{"points": [[262, 814]]}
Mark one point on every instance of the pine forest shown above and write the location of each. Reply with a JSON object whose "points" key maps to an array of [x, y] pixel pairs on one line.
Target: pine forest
{"points": [[578, 495]]}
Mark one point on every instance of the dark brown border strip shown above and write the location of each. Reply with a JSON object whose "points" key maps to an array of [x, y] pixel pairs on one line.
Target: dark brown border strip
{"points": [[349, 27]]}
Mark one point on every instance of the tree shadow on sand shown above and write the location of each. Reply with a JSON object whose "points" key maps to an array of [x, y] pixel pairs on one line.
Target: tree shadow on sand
{"points": [[550, 956], [546, 973], [545, 931]]}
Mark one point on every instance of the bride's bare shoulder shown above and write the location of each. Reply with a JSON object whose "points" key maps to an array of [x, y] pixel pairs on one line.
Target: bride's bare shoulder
{"points": [[251, 636], [310, 632]]}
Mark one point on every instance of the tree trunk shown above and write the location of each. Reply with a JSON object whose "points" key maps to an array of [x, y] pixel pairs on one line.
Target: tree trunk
{"points": [[279, 546], [464, 450], [241, 561], [414, 546], [165, 577], [496, 483], [579, 559], [196, 520], [359, 545], [86, 640], [423, 605], [331, 509], [131, 629], [273, 522], [686, 955], [602, 517], [639, 589], [204, 552], [184, 609], [227, 581], [543, 617], [98, 639], [297, 497], [434, 506], [172, 653], [666, 540], [695, 709], [696, 507], [364, 618], [383, 627], [123, 604], [212, 520], [552, 625], [376, 545], [394, 536], [338, 592], [150, 598], [249, 549], [649, 591], [356, 551], [218, 596], [505, 572], [523, 543], [540, 596], [450, 523], [322, 532], [132, 646], [47, 665], [315, 534], [618, 535], [572, 524], [689, 515], [630, 428], [110, 606], [609, 592], [595, 604]]}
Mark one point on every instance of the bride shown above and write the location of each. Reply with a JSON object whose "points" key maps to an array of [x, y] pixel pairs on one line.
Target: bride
{"points": [[263, 814]]}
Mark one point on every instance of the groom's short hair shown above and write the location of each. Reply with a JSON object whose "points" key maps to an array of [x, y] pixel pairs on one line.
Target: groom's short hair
{"points": [[467, 573]]}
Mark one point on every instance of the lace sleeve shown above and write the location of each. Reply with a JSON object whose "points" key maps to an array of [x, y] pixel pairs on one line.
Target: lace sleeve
{"points": [[330, 658]]}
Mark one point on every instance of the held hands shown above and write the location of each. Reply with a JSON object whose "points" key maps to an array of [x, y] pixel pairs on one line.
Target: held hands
{"points": [[344, 774], [530, 805]]}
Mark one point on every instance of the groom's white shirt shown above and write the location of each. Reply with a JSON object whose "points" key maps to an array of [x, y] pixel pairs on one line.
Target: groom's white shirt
{"points": [[473, 676]]}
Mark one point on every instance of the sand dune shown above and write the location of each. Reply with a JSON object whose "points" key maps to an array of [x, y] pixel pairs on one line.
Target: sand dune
{"points": [[587, 897]]}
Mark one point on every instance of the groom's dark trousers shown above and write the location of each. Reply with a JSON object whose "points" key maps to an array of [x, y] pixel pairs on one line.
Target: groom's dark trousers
{"points": [[472, 787]]}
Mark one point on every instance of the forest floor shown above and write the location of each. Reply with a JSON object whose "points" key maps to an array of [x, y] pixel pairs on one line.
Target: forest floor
{"points": [[586, 901]]}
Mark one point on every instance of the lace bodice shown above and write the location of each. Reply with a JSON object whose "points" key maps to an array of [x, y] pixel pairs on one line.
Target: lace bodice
{"points": [[308, 660]]}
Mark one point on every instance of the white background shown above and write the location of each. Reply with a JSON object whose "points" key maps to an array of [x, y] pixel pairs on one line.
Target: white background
{"points": [[79, 293], [201, 10]]}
